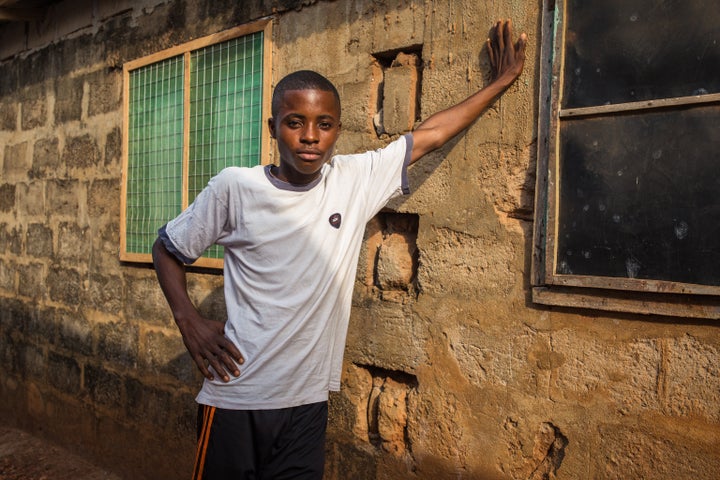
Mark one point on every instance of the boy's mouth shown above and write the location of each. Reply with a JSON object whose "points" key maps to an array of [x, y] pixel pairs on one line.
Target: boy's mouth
{"points": [[309, 155]]}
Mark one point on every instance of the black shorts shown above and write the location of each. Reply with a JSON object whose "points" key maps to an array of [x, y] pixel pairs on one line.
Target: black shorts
{"points": [[287, 443]]}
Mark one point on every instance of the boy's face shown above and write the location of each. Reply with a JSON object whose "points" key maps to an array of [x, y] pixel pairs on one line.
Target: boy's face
{"points": [[306, 128]]}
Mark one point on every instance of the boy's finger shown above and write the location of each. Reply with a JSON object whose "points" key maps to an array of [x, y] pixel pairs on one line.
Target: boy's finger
{"points": [[200, 362], [491, 54], [230, 365], [217, 366], [500, 34], [508, 32], [521, 45], [499, 47], [233, 351]]}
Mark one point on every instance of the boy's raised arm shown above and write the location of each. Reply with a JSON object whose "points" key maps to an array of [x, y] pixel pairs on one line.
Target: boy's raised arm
{"points": [[506, 60]]}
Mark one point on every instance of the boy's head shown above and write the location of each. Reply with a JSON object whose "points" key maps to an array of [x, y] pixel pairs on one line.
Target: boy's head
{"points": [[302, 80], [306, 124]]}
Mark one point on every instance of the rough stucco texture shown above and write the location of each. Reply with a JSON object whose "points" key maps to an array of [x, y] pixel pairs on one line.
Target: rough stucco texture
{"points": [[450, 370]]}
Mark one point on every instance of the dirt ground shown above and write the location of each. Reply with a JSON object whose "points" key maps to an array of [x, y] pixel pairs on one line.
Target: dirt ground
{"points": [[24, 457]]}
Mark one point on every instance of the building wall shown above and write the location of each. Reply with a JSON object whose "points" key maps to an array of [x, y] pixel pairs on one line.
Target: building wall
{"points": [[450, 370]]}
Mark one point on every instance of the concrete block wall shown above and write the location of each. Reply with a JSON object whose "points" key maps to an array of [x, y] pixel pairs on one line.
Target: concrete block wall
{"points": [[450, 370], [89, 349]]}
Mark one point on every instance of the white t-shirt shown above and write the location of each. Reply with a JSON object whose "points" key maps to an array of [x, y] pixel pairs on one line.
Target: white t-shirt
{"points": [[290, 261]]}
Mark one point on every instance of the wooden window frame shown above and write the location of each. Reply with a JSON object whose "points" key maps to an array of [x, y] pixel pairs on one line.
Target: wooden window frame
{"points": [[263, 25], [586, 291]]}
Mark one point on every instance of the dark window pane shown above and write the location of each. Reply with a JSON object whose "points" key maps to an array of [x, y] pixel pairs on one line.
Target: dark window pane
{"points": [[620, 51], [640, 196]]}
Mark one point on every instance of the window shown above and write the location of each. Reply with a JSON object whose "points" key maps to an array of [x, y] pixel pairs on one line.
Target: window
{"points": [[189, 112], [627, 207]]}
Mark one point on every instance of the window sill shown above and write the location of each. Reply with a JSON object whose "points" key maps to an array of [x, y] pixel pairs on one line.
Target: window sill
{"points": [[672, 305]]}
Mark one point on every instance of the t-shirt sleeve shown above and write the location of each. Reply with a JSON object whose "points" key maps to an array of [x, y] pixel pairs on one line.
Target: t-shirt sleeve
{"points": [[383, 173], [199, 226]]}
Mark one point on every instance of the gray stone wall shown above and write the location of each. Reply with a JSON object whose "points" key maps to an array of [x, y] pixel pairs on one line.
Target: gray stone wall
{"points": [[450, 370]]}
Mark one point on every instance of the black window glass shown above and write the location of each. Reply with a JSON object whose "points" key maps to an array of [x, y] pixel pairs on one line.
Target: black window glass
{"points": [[640, 196], [619, 51]]}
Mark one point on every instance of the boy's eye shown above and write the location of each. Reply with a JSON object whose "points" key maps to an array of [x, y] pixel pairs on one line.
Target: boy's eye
{"points": [[294, 123]]}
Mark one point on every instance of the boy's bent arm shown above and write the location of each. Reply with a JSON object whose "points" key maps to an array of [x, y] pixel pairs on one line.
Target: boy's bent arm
{"points": [[205, 339], [507, 60]]}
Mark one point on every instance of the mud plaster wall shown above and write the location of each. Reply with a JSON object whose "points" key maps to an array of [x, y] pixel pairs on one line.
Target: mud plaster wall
{"points": [[450, 370]]}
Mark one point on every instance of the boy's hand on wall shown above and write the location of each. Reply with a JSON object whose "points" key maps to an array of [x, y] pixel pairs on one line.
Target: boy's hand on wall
{"points": [[506, 58]]}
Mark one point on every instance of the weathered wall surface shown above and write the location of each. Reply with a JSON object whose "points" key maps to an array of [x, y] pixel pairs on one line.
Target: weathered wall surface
{"points": [[450, 371]]}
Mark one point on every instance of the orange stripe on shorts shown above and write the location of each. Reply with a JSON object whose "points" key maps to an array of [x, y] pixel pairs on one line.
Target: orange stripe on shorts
{"points": [[208, 414]]}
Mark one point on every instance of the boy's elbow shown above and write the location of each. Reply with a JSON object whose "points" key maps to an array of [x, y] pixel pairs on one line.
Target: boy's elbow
{"points": [[425, 140]]}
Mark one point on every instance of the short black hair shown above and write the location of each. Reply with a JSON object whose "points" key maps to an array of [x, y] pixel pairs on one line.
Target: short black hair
{"points": [[302, 80]]}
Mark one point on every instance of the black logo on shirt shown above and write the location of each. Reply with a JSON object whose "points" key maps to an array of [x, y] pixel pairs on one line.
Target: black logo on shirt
{"points": [[335, 220]]}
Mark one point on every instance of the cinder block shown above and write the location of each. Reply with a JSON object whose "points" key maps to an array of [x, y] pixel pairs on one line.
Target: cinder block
{"points": [[356, 387], [46, 157], [118, 343], [368, 256], [7, 276], [34, 364], [71, 241], [691, 378], [11, 239], [39, 240], [147, 403], [64, 196], [68, 99], [65, 285], [392, 416], [396, 262], [105, 247], [11, 361], [145, 301], [104, 92], [81, 152], [13, 314], [160, 352], [626, 375], [105, 293], [7, 197], [33, 108], [41, 326], [63, 373], [359, 103], [634, 451], [16, 161], [105, 387], [31, 199], [31, 280], [113, 147], [400, 94], [75, 333], [104, 198], [8, 115]]}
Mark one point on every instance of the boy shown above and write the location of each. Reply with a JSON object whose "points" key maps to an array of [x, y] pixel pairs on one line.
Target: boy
{"points": [[292, 235]]}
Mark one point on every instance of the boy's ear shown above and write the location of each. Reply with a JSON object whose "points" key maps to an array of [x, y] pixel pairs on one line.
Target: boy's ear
{"points": [[271, 127]]}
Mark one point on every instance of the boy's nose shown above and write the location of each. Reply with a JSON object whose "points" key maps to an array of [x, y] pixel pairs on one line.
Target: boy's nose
{"points": [[310, 134]]}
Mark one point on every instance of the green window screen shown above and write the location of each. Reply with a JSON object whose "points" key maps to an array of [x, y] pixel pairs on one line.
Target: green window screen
{"points": [[225, 113], [225, 110], [154, 176]]}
